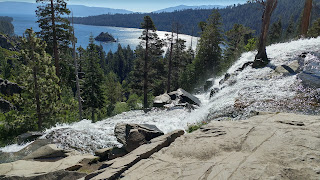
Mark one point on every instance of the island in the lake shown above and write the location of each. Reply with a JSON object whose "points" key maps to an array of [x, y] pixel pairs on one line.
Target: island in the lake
{"points": [[105, 37]]}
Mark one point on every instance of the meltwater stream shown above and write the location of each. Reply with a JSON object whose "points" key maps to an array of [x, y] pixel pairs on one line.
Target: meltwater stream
{"points": [[243, 93]]}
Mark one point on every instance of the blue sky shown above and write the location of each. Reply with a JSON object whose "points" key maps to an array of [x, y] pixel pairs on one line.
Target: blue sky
{"points": [[144, 5]]}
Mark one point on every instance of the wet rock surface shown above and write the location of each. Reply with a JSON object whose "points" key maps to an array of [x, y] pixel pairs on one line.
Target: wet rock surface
{"points": [[134, 135], [268, 146]]}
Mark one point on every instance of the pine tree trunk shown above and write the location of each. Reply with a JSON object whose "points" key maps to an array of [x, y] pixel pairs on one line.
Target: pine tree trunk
{"points": [[306, 17], [37, 96], [55, 43], [92, 115], [170, 64], [76, 73], [261, 59], [145, 74]]}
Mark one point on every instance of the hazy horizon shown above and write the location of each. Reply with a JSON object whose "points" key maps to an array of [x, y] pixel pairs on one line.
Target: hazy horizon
{"points": [[143, 5]]}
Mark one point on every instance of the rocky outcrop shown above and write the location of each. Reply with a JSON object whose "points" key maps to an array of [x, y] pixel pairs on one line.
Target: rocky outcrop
{"points": [[8, 88], [214, 91], [113, 169], [5, 105], [267, 146], [105, 37], [5, 43], [49, 151], [309, 79], [6, 157], [110, 153], [178, 98], [134, 135], [29, 136], [49, 170], [290, 69], [160, 101]]}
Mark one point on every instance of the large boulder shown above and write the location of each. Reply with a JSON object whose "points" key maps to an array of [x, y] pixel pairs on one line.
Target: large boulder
{"points": [[184, 96], [49, 151], [134, 135], [309, 79], [161, 100], [6, 157], [114, 168], [179, 98], [290, 69], [29, 136], [110, 153]]}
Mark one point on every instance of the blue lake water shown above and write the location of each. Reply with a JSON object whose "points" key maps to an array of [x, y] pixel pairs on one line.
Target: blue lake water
{"points": [[125, 36]]}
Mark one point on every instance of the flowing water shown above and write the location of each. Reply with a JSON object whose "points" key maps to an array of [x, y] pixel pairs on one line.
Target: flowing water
{"points": [[245, 92]]}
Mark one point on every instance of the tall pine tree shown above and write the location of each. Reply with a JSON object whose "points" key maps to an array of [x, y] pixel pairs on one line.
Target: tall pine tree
{"points": [[209, 54], [39, 80], [153, 45], [55, 29], [92, 91]]}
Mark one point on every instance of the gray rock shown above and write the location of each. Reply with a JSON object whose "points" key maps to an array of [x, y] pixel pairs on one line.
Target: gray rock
{"points": [[309, 79], [61, 175], [29, 136], [262, 147], [38, 170], [8, 88], [208, 84], [134, 135], [214, 91], [184, 97], [226, 77], [14, 156], [161, 100], [113, 169], [49, 151], [110, 153], [290, 69]]}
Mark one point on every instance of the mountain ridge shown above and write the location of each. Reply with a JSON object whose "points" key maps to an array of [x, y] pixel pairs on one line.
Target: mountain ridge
{"points": [[183, 7], [7, 8]]}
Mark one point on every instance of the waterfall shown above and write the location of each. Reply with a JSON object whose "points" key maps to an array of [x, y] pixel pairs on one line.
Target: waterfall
{"points": [[245, 92]]}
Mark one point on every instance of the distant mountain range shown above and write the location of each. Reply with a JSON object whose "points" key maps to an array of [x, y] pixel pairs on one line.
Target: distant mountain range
{"points": [[183, 7], [10, 7], [78, 10]]}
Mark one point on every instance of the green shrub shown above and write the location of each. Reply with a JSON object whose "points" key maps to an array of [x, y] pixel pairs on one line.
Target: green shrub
{"points": [[120, 107], [133, 101], [194, 127]]}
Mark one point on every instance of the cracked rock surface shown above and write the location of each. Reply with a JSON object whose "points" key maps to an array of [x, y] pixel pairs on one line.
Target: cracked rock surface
{"points": [[269, 146]]}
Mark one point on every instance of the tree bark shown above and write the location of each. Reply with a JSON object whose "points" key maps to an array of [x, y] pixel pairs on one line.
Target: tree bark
{"points": [[261, 59], [55, 43], [76, 73], [145, 73], [306, 17], [37, 96], [170, 64]]}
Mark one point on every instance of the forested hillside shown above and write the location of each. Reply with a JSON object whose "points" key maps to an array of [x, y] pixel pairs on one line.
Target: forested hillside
{"points": [[248, 15], [6, 26]]}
